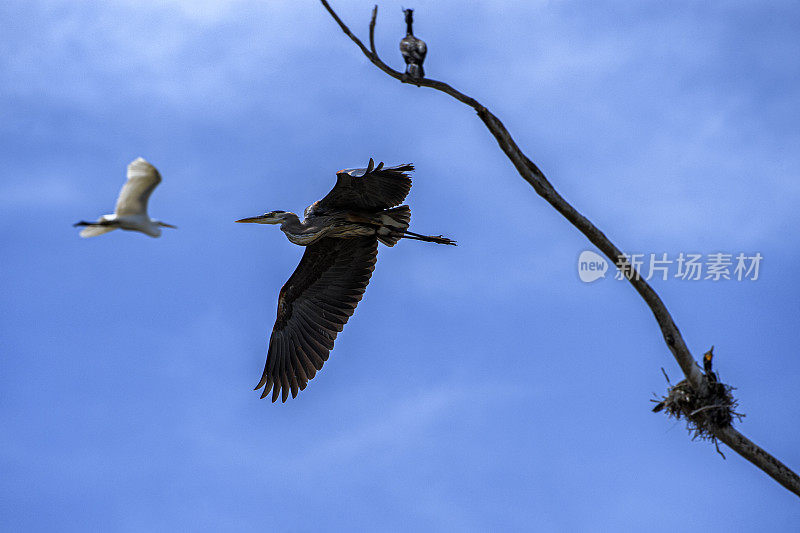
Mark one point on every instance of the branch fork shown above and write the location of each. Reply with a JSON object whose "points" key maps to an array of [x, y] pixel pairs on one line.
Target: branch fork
{"points": [[697, 384]]}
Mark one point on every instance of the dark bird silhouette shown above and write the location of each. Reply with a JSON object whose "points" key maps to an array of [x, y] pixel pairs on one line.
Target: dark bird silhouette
{"points": [[341, 234], [413, 49]]}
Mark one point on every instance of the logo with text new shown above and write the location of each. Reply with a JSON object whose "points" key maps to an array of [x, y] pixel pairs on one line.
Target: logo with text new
{"points": [[591, 266]]}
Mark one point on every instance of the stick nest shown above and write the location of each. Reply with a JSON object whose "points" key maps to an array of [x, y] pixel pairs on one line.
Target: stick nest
{"points": [[705, 411]]}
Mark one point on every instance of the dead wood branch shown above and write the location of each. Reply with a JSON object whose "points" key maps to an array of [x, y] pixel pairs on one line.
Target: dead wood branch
{"points": [[695, 381]]}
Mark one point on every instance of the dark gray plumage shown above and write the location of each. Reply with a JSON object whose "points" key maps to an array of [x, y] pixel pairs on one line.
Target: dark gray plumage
{"points": [[413, 49], [341, 234]]}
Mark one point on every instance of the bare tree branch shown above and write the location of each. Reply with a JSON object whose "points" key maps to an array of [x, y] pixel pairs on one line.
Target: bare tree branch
{"points": [[759, 457], [531, 173]]}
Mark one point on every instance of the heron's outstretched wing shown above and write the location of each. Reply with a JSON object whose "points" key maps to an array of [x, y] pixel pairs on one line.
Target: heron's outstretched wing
{"points": [[313, 306], [369, 188], [94, 231], [142, 179]]}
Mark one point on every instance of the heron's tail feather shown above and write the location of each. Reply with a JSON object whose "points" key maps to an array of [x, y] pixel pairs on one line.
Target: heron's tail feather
{"points": [[395, 223], [94, 231]]}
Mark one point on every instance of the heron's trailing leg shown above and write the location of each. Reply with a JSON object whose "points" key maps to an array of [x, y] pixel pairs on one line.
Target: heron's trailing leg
{"points": [[438, 239]]}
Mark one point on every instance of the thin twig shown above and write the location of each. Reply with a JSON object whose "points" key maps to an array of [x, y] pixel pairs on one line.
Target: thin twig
{"points": [[533, 175], [716, 445], [372, 30], [706, 408]]}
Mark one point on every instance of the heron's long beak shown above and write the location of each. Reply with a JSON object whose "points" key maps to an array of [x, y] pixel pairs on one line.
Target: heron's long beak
{"points": [[251, 220], [167, 225]]}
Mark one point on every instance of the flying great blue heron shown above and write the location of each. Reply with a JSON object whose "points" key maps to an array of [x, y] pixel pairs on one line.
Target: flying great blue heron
{"points": [[413, 49], [131, 210], [341, 234]]}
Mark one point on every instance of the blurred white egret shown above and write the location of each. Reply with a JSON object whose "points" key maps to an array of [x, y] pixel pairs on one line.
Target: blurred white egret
{"points": [[131, 210]]}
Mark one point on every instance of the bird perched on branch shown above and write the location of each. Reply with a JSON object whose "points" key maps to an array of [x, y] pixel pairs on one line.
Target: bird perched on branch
{"points": [[130, 212], [341, 234], [413, 49]]}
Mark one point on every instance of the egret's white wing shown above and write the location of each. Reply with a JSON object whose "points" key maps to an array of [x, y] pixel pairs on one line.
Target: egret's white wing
{"points": [[142, 179], [94, 231]]}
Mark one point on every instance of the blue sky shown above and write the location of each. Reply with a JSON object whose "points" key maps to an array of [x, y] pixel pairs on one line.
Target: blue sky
{"points": [[476, 388]]}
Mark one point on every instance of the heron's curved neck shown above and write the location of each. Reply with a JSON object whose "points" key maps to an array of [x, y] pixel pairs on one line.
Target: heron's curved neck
{"points": [[291, 223]]}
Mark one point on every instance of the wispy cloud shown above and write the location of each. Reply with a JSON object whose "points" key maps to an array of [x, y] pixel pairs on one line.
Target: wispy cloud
{"points": [[399, 426], [172, 52], [41, 193]]}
